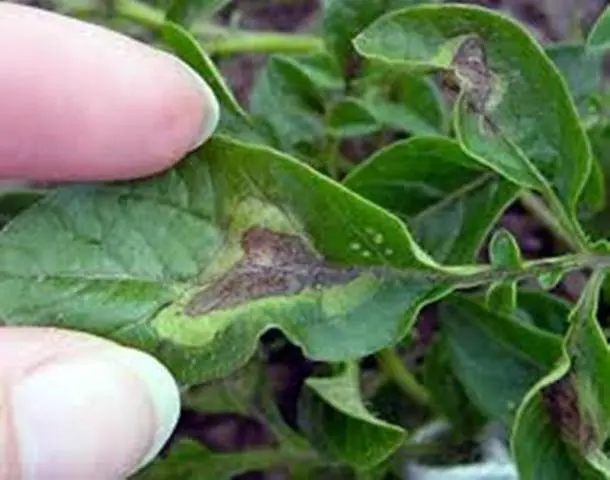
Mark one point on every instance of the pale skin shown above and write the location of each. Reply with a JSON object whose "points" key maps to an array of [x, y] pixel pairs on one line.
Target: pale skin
{"points": [[78, 102]]}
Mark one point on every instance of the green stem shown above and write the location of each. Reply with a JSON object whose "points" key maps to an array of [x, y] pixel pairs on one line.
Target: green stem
{"points": [[264, 42], [573, 240], [469, 276], [394, 368], [139, 12], [215, 38]]}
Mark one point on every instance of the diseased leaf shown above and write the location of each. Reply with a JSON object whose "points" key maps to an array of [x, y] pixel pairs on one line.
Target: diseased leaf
{"points": [[195, 264], [496, 358], [599, 36], [514, 113], [563, 422], [340, 426], [433, 186]]}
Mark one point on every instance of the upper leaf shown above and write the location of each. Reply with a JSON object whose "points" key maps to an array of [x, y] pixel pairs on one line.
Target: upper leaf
{"points": [[514, 111], [194, 264], [434, 187], [343, 19]]}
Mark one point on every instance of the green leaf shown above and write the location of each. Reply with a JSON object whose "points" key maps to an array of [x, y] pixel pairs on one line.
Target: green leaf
{"points": [[351, 118], [565, 418], [233, 394], [13, 202], [497, 358], [443, 186], [502, 297], [248, 392], [545, 311], [581, 70], [343, 19], [504, 253], [599, 224], [195, 264], [405, 103], [550, 280], [504, 250], [323, 70], [189, 460], [599, 36], [340, 426], [514, 113], [446, 391], [189, 50], [593, 198], [287, 99]]}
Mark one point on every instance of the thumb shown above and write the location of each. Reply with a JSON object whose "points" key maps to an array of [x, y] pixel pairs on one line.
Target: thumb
{"points": [[76, 406]]}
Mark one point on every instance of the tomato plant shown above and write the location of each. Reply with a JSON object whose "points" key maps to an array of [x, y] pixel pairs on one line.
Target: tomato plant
{"points": [[275, 224]]}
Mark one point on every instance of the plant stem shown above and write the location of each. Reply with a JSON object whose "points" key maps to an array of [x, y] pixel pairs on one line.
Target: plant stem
{"points": [[264, 42], [573, 240], [215, 38], [139, 12], [394, 368]]}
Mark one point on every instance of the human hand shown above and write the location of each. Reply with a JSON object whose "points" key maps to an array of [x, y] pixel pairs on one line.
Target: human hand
{"points": [[78, 102]]}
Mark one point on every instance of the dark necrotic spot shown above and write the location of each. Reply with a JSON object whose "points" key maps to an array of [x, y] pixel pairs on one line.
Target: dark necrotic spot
{"points": [[274, 263], [470, 75], [561, 403]]}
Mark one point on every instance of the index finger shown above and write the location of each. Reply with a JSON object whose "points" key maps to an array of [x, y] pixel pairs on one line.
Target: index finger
{"points": [[80, 102]]}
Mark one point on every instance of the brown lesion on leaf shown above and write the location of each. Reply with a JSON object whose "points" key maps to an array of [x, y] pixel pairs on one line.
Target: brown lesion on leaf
{"points": [[471, 76], [561, 402], [273, 264]]}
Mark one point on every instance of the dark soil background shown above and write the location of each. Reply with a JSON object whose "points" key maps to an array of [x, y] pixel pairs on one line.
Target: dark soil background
{"points": [[549, 20]]}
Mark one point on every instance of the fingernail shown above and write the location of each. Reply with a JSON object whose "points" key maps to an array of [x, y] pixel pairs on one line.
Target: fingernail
{"points": [[98, 416], [209, 104]]}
